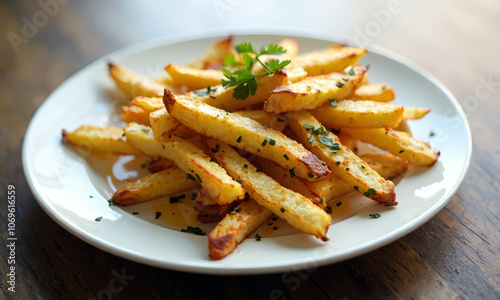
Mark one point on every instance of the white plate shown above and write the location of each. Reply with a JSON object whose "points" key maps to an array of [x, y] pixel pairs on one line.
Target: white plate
{"points": [[73, 190]]}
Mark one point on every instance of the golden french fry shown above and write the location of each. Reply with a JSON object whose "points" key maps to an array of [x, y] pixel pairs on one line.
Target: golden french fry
{"points": [[375, 92], [167, 182], [162, 123], [332, 59], [341, 160], [134, 113], [197, 165], [221, 97], [413, 113], [295, 208], [274, 121], [314, 92], [361, 113], [98, 138], [213, 58], [399, 143], [246, 134], [207, 210], [235, 227], [134, 84], [148, 104], [387, 165], [194, 78]]}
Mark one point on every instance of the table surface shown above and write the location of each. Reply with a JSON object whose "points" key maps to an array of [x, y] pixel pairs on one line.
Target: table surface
{"points": [[454, 255]]}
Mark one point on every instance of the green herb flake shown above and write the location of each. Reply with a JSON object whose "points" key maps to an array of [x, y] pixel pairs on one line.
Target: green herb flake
{"points": [[239, 139], [374, 216], [311, 139], [338, 163], [347, 169], [328, 209], [90, 196], [340, 84], [339, 203], [282, 210], [239, 181], [310, 175], [292, 172], [193, 230], [401, 151], [258, 237], [146, 130], [98, 219], [264, 143], [111, 202], [308, 127], [351, 71], [245, 166], [272, 142], [280, 120], [190, 177], [176, 199], [259, 170], [431, 134], [157, 215], [135, 213], [214, 150], [286, 156], [363, 166], [237, 210], [333, 102], [356, 187], [370, 192], [198, 177], [179, 136]]}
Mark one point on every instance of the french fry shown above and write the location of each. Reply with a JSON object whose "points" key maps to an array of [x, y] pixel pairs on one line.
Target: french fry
{"points": [[134, 113], [329, 187], [221, 97], [341, 160], [414, 113], [148, 104], [332, 59], [167, 182], [162, 123], [246, 134], [295, 208], [194, 78], [208, 210], [159, 163], [314, 92], [375, 92], [98, 138], [401, 144], [235, 227], [387, 165], [361, 113], [213, 58], [273, 121], [196, 164], [283, 177], [134, 84]]}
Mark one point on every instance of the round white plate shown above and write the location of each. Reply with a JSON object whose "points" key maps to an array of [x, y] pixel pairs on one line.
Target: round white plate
{"points": [[74, 189]]}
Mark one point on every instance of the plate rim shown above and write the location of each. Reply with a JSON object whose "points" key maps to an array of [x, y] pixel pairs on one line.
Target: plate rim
{"points": [[225, 269]]}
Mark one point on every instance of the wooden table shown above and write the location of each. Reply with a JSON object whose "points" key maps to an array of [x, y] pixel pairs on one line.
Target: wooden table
{"points": [[455, 255]]}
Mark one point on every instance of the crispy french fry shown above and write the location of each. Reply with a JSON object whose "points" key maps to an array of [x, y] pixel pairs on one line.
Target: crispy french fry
{"points": [[332, 59], [134, 84], [387, 165], [148, 104], [162, 123], [329, 187], [314, 92], [134, 113], [98, 138], [245, 133], [295, 208], [399, 143], [196, 164], [234, 228], [376, 92], [283, 177], [273, 121], [361, 113], [167, 182], [341, 160], [159, 163], [208, 210], [194, 78], [221, 97], [414, 113], [213, 58]]}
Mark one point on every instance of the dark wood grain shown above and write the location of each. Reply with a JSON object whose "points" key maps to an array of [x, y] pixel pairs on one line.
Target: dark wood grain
{"points": [[454, 255]]}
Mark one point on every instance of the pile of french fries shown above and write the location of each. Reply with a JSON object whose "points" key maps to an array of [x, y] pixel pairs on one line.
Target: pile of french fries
{"points": [[287, 150]]}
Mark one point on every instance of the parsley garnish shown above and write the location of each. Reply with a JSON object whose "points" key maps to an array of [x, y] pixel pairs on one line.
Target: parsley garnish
{"points": [[239, 139], [214, 150], [98, 219], [374, 216], [285, 156], [370, 192], [244, 81], [292, 172], [190, 177], [310, 175], [237, 210], [205, 92], [340, 84], [257, 237], [194, 230], [158, 214], [282, 210], [351, 71], [176, 199], [328, 209], [111, 201], [333, 102]]}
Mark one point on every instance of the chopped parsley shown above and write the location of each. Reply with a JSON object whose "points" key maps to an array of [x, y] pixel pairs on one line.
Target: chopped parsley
{"points": [[237, 210], [239, 139], [257, 237], [176, 199], [333, 102], [351, 71], [285, 156], [198, 177], [374, 216], [328, 209], [190, 177], [370, 192], [292, 172], [98, 219], [310, 175], [214, 150], [264, 143], [340, 84], [205, 92], [157, 215], [282, 210], [193, 230]]}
